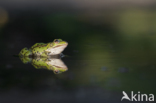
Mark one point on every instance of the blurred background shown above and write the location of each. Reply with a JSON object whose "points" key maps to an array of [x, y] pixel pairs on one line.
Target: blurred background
{"points": [[111, 49]]}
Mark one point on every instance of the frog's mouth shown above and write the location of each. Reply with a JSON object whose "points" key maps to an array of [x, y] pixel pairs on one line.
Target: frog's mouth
{"points": [[57, 65], [63, 45], [57, 49]]}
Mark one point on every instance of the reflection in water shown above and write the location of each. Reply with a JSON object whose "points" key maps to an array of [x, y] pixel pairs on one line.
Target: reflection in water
{"points": [[53, 63]]}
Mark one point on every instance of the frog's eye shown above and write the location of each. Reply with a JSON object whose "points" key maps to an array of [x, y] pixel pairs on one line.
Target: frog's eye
{"points": [[56, 41]]}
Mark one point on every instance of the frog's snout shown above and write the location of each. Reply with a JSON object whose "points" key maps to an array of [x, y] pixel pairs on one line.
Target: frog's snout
{"points": [[66, 43]]}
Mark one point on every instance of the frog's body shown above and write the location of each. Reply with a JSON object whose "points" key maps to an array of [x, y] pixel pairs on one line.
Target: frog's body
{"points": [[55, 64], [45, 49], [39, 62], [39, 49]]}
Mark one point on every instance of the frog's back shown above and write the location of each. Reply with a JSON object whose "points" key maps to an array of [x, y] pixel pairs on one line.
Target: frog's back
{"points": [[37, 45], [38, 49]]}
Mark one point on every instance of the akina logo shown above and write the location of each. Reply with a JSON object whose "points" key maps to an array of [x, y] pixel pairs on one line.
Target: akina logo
{"points": [[137, 97]]}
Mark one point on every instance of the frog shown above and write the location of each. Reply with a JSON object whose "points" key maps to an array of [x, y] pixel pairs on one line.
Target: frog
{"points": [[38, 62], [45, 49], [54, 64], [26, 59]]}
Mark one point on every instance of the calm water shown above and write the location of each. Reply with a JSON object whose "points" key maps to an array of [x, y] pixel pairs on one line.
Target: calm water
{"points": [[97, 72], [107, 54]]}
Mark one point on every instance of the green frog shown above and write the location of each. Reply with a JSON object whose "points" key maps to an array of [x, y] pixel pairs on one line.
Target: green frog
{"points": [[45, 49], [51, 63]]}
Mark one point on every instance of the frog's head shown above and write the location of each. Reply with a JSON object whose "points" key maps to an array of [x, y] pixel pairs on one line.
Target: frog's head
{"points": [[56, 47], [58, 70], [56, 65]]}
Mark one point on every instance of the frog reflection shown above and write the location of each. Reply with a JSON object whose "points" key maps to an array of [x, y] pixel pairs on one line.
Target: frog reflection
{"points": [[51, 63]]}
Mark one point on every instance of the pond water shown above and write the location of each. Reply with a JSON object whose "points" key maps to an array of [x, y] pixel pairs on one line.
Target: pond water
{"points": [[97, 72], [105, 57]]}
